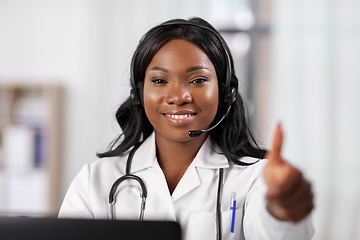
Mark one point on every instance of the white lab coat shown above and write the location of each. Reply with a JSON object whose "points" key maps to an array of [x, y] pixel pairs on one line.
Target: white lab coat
{"points": [[193, 202]]}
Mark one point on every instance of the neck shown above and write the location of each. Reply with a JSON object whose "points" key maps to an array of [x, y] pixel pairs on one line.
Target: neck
{"points": [[175, 157]]}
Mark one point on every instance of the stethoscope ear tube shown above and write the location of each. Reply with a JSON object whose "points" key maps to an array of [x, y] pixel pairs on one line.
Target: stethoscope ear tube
{"points": [[115, 186], [127, 177], [120, 180]]}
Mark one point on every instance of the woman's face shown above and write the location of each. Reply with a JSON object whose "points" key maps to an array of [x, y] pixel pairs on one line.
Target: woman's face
{"points": [[180, 90]]}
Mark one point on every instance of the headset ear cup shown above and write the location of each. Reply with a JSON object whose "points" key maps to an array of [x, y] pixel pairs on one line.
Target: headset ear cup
{"points": [[140, 88], [137, 94], [233, 95], [135, 101], [230, 97]]}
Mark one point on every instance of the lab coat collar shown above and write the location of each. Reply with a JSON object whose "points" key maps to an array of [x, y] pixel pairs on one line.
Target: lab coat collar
{"points": [[145, 156], [209, 156]]}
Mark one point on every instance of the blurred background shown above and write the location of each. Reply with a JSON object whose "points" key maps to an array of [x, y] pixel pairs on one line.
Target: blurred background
{"points": [[64, 70]]}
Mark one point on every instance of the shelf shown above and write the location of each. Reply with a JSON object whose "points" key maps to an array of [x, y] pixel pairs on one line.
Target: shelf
{"points": [[30, 149]]}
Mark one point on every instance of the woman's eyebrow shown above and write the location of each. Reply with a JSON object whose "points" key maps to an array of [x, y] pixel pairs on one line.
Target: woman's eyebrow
{"points": [[159, 69], [196, 68], [190, 69]]}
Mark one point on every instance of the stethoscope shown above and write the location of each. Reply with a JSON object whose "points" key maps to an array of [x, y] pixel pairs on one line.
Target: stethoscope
{"points": [[143, 192]]}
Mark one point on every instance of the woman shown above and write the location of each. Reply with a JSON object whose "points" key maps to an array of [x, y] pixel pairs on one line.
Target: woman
{"points": [[183, 81]]}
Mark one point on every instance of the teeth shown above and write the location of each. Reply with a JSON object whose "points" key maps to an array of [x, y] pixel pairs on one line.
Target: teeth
{"points": [[177, 117]]}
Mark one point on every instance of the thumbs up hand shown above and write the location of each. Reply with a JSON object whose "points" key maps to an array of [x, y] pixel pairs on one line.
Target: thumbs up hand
{"points": [[289, 196]]}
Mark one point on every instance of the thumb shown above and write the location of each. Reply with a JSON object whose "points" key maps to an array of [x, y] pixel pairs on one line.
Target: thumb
{"points": [[277, 144]]}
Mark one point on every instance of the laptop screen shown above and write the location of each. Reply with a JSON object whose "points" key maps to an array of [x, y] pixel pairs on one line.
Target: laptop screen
{"points": [[25, 228]]}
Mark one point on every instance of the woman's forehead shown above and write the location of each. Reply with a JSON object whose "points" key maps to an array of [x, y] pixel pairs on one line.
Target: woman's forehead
{"points": [[179, 53]]}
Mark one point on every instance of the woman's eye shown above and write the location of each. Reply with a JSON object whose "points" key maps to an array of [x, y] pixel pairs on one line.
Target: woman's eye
{"points": [[158, 81], [199, 80]]}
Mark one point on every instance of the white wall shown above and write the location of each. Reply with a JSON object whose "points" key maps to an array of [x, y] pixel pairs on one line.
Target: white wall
{"points": [[316, 94], [85, 46]]}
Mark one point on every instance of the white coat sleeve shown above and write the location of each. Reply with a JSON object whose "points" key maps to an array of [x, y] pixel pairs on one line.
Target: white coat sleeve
{"points": [[77, 202], [260, 224]]}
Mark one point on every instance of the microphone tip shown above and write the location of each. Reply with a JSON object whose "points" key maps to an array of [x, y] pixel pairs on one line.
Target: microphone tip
{"points": [[195, 133]]}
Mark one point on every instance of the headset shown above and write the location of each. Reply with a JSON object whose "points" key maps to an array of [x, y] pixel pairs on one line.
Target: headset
{"points": [[136, 94]]}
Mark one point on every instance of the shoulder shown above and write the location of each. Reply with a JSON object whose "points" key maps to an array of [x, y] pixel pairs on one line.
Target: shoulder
{"points": [[248, 173], [106, 167], [256, 165], [99, 171], [114, 167]]}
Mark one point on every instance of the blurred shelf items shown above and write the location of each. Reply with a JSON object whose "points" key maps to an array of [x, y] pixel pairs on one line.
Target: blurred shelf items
{"points": [[30, 149]]}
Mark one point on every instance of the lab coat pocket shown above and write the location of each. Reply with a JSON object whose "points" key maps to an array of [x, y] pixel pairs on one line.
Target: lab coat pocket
{"points": [[203, 226], [227, 219]]}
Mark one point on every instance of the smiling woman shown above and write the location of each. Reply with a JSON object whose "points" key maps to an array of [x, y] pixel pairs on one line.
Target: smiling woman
{"points": [[183, 80], [180, 94]]}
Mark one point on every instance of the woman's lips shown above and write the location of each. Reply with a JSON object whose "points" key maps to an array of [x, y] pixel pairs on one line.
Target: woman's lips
{"points": [[179, 118]]}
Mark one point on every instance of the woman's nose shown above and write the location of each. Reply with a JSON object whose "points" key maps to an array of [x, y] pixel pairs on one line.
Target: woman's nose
{"points": [[178, 95]]}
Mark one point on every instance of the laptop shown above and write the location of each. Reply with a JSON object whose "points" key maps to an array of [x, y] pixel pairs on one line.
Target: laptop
{"points": [[27, 228]]}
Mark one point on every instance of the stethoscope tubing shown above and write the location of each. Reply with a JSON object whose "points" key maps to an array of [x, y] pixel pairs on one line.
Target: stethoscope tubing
{"points": [[218, 205]]}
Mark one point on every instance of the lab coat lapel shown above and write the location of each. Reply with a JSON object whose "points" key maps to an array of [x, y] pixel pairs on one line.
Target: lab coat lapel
{"points": [[145, 164], [156, 180], [208, 157], [145, 156], [188, 182]]}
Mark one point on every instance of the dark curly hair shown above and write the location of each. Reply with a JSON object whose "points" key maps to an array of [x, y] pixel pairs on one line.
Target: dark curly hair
{"points": [[232, 135]]}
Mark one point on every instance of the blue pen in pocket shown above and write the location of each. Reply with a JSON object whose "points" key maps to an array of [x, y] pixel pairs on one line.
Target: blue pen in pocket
{"points": [[233, 208]]}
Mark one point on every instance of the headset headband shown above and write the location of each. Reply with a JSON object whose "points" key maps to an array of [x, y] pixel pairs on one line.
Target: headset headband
{"points": [[229, 96]]}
